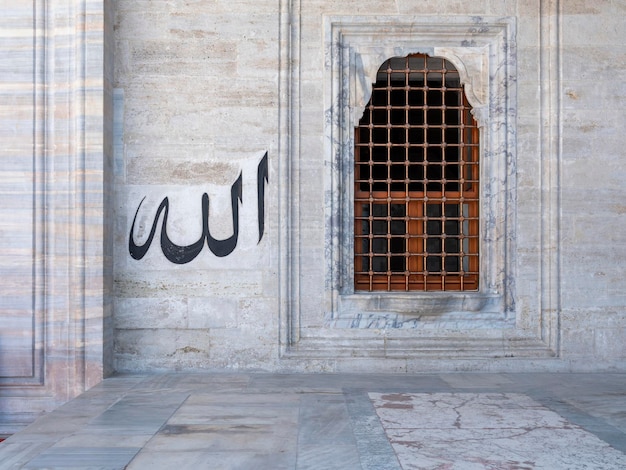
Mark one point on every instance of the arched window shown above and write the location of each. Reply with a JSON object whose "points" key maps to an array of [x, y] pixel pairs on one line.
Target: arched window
{"points": [[416, 181]]}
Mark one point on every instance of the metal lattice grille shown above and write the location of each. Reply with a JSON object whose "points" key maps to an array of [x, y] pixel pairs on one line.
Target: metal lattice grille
{"points": [[416, 181]]}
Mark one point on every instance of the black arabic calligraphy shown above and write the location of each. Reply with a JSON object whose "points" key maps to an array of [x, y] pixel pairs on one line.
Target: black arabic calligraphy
{"points": [[179, 254]]}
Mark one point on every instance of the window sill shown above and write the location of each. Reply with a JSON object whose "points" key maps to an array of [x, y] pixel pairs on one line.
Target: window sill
{"points": [[418, 304]]}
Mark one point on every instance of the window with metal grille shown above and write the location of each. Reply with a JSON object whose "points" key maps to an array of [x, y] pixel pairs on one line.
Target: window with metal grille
{"points": [[416, 181]]}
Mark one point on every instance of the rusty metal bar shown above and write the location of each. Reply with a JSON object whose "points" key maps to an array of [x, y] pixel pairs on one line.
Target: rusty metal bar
{"points": [[416, 181]]}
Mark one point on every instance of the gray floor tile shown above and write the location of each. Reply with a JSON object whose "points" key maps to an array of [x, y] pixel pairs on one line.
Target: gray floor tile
{"points": [[105, 438], [324, 419], [232, 438], [477, 380], [285, 421], [206, 460], [105, 458], [375, 451], [328, 457]]}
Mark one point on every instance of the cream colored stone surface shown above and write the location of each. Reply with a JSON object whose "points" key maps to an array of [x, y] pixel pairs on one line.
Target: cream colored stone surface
{"points": [[207, 89], [105, 103]]}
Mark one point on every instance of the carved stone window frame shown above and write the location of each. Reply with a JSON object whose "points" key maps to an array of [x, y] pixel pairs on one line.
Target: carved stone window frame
{"points": [[483, 51], [524, 321]]}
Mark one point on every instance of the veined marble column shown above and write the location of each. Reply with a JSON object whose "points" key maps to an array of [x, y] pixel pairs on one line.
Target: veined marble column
{"points": [[54, 300]]}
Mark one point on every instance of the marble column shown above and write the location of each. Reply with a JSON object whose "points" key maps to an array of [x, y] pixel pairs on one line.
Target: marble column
{"points": [[55, 312]]}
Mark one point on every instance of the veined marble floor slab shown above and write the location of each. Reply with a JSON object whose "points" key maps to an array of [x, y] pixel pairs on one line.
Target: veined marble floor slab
{"points": [[263, 421], [504, 431]]}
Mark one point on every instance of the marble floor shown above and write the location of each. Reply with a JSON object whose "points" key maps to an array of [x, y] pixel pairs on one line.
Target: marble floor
{"points": [[333, 421]]}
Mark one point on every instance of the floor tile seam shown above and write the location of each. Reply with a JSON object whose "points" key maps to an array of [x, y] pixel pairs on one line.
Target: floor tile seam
{"points": [[291, 389], [53, 438], [117, 397], [137, 449], [525, 430], [465, 391], [371, 439], [304, 416], [161, 427], [145, 386], [299, 444], [93, 450], [595, 425], [23, 460], [68, 460], [390, 390]]}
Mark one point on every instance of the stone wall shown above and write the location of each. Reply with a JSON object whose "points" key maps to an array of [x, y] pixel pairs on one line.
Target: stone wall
{"points": [[207, 90], [198, 84], [233, 121], [591, 181]]}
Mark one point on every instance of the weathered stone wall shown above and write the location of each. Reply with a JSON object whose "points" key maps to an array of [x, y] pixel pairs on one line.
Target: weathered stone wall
{"points": [[207, 89], [197, 90], [116, 115], [114, 112], [592, 189]]}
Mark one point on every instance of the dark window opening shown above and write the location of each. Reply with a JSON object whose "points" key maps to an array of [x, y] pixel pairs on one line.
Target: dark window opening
{"points": [[416, 181]]}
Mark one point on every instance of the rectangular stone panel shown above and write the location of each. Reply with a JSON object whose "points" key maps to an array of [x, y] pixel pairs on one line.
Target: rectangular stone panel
{"points": [[18, 63]]}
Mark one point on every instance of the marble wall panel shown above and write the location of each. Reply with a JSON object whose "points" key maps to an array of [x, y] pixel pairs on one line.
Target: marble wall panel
{"points": [[56, 334], [17, 108]]}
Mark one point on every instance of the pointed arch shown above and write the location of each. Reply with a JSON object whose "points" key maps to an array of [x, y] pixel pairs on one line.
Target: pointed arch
{"points": [[416, 181]]}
